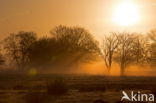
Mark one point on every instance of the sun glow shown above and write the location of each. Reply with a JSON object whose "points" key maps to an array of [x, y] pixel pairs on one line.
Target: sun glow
{"points": [[126, 14]]}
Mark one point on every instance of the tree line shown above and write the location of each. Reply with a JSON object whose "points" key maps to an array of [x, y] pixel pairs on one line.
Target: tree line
{"points": [[68, 46]]}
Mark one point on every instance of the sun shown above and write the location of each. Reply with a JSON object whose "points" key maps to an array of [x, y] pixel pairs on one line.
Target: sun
{"points": [[126, 14]]}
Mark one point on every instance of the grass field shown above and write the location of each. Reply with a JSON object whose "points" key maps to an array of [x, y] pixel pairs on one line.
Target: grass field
{"points": [[69, 88]]}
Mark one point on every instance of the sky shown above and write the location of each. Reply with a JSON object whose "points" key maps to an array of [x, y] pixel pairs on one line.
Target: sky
{"points": [[95, 15]]}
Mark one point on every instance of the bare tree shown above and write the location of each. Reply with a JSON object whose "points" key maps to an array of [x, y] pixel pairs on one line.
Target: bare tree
{"points": [[125, 50], [76, 43], [67, 47], [1, 59], [152, 36], [140, 49], [11, 48], [45, 53], [109, 45], [18, 47], [1, 56]]}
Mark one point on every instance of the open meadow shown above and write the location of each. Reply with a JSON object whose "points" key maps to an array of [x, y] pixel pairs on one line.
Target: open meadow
{"points": [[70, 88]]}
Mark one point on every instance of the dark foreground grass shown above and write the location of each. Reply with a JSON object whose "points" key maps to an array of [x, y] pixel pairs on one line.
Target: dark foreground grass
{"points": [[70, 88]]}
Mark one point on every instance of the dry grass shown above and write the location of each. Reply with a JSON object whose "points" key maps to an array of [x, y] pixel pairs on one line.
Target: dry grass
{"points": [[70, 88]]}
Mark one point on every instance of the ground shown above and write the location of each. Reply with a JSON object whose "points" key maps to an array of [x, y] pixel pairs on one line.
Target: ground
{"points": [[21, 88]]}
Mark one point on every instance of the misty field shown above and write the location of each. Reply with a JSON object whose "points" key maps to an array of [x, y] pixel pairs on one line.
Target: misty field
{"points": [[69, 88]]}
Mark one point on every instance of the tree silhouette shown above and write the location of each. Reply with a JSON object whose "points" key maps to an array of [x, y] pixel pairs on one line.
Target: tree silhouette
{"points": [[67, 46], [18, 47], [1, 56], [124, 54], [70, 46], [152, 36], [1, 59], [110, 44], [45, 52], [140, 49], [76, 42]]}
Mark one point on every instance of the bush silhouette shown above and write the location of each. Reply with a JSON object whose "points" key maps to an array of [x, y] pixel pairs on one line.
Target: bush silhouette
{"points": [[58, 87]]}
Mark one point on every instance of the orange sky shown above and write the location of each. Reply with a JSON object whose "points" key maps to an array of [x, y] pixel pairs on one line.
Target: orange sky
{"points": [[95, 15]]}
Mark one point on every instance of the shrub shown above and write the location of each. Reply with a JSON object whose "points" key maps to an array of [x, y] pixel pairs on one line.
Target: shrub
{"points": [[58, 87], [35, 97], [19, 87]]}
